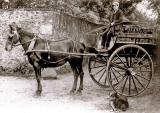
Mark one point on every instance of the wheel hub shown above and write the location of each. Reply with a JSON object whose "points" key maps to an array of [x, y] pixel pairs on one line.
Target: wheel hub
{"points": [[131, 72]]}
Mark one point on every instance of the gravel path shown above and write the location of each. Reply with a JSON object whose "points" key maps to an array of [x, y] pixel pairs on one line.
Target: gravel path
{"points": [[17, 96]]}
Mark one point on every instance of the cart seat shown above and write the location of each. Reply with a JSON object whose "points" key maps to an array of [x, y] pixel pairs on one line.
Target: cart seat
{"points": [[111, 44], [102, 50]]}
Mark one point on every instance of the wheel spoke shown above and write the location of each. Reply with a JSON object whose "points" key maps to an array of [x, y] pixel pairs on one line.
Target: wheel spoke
{"points": [[101, 76], [105, 58], [136, 56], [124, 51], [142, 77], [137, 53], [145, 64], [120, 82], [115, 76], [117, 71], [134, 84], [127, 61], [144, 71], [139, 82], [118, 66], [98, 66], [100, 61], [106, 78], [99, 71], [131, 64], [130, 60], [124, 84], [94, 64], [121, 60], [115, 59], [129, 85], [141, 59]]}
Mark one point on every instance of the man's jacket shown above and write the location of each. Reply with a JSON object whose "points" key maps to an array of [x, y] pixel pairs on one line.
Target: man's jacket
{"points": [[117, 17]]}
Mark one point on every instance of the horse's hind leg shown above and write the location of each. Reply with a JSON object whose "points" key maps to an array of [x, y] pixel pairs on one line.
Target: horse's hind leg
{"points": [[81, 74], [75, 74], [37, 69]]}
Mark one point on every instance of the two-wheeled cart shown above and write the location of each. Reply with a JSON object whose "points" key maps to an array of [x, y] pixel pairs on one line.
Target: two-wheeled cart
{"points": [[127, 67]]}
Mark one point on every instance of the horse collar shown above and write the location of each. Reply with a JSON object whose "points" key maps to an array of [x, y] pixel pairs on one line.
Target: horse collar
{"points": [[32, 43]]}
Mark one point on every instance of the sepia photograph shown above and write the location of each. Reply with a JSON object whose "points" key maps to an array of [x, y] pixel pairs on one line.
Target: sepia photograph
{"points": [[79, 56]]}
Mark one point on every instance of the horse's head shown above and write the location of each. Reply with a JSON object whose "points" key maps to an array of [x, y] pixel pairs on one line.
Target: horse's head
{"points": [[13, 37]]}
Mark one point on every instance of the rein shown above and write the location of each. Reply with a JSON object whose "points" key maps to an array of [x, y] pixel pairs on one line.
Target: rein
{"points": [[24, 42], [35, 37]]}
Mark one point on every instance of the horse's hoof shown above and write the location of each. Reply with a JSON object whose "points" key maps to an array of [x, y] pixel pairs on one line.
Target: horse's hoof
{"points": [[38, 93], [79, 91], [72, 92], [79, 94]]}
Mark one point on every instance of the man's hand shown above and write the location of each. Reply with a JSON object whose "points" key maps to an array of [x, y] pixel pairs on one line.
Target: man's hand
{"points": [[112, 23]]}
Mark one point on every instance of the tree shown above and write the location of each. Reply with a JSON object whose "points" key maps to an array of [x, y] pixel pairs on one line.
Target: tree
{"points": [[155, 4]]}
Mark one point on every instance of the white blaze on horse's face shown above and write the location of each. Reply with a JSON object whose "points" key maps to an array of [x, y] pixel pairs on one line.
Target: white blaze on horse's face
{"points": [[12, 39]]}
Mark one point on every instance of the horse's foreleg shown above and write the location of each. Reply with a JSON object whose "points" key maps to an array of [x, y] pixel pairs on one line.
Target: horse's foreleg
{"points": [[37, 69]]}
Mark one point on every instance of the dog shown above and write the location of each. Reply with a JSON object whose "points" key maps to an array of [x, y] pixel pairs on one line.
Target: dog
{"points": [[118, 102]]}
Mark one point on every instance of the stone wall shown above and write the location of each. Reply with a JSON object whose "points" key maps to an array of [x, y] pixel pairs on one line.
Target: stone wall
{"points": [[46, 24]]}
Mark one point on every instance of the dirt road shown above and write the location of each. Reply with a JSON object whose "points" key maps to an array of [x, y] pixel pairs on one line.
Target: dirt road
{"points": [[17, 96]]}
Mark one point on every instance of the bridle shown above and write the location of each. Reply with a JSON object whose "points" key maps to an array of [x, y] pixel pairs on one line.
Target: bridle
{"points": [[12, 40], [18, 38]]}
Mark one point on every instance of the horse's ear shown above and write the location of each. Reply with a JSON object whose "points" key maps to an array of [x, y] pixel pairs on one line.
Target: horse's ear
{"points": [[13, 25], [10, 26], [19, 29]]}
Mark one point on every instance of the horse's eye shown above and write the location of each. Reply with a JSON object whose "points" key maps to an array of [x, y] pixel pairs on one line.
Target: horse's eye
{"points": [[12, 32], [10, 37]]}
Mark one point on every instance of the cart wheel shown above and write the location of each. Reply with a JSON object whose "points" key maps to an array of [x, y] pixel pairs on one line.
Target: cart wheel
{"points": [[97, 70], [130, 67]]}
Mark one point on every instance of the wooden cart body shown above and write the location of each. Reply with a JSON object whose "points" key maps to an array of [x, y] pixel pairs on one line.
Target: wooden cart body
{"points": [[128, 66]]}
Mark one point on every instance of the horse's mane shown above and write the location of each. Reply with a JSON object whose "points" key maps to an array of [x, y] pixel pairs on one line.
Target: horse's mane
{"points": [[27, 33]]}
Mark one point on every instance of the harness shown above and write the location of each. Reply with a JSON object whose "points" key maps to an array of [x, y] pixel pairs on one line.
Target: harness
{"points": [[31, 44], [47, 47], [33, 41]]}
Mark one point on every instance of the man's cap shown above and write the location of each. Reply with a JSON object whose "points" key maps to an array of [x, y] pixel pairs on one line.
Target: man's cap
{"points": [[115, 2]]}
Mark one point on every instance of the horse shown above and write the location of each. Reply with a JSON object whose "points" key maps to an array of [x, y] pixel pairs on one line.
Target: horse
{"points": [[43, 59]]}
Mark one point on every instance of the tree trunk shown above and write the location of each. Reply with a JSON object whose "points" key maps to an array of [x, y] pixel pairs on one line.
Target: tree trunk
{"points": [[158, 45]]}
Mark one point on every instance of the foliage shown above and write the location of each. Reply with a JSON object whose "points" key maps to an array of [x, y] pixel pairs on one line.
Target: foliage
{"points": [[103, 7], [95, 11], [155, 4]]}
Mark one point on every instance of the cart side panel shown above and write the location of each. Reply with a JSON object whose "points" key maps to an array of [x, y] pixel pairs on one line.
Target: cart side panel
{"points": [[135, 34]]}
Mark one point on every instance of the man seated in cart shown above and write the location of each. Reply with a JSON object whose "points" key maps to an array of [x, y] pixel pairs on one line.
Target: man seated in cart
{"points": [[117, 17]]}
